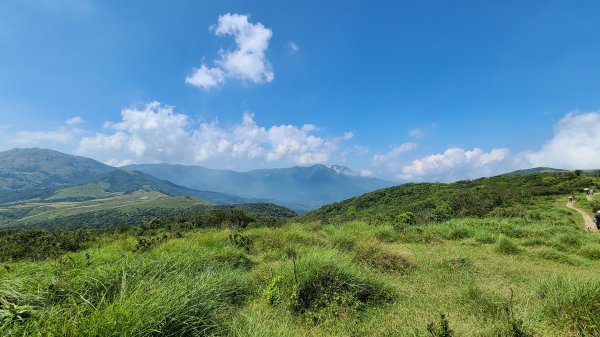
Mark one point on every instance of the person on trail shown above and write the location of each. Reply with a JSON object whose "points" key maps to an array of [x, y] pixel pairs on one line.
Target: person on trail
{"points": [[597, 216], [570, 199]]}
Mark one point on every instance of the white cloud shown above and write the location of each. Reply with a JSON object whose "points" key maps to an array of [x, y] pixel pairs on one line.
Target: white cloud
{"points": [[417, 133], [456, 163], [574, 145], [394, 153], [62, 135], [293, 47], [206, 78], [247, 62], [157, 133], [73, 121]]}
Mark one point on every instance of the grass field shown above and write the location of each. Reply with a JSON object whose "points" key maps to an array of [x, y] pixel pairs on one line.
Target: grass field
{"points": [[48, 210], [535, 276]]}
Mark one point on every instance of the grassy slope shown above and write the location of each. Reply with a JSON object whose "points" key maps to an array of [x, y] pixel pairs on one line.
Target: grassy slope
{"points": [[30, 213], [496, 196], [206, 283]]}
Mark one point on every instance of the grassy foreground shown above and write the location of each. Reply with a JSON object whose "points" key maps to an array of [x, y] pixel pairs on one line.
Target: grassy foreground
{"points": [[489, 277]]}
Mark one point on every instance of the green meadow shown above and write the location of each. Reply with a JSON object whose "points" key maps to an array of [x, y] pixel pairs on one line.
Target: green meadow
{"points": [[530, 276]]}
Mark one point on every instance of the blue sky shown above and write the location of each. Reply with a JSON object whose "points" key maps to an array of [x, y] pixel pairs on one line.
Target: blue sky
{"points": [[428, 90]]}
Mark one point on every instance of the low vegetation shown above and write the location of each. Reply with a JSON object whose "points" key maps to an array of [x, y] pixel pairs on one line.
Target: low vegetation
{"points": [[461, 277], [252, 271]]}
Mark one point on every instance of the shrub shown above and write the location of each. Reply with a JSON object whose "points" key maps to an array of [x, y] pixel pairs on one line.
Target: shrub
{"points": [[404, 219], [386, 234], [240, 241], [441, 329], [595, 205], [506, 246]]}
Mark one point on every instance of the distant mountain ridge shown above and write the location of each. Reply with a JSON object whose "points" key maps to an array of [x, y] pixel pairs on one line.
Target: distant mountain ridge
{"points": [[41, 174], [298, 187], [22, 169], [534, 170]]}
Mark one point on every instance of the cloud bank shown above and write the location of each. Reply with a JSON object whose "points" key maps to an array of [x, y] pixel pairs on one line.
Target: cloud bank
{"points": [[575, 144], [247, 62], [156, 133]]}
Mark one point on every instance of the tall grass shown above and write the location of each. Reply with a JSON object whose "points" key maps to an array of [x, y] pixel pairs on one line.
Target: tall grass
{"points": [[319, 280]]}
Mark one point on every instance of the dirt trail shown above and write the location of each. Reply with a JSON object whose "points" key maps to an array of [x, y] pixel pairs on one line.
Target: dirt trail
{"points": [[588, 197], [589, 223]]}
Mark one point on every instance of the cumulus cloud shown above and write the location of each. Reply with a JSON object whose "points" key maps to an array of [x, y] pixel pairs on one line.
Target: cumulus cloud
{"points": [[157, 133], [456, 163], [206, 78], [574, 145], [394, 153], [246, 62]]}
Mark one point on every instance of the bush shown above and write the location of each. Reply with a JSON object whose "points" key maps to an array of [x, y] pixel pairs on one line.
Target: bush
{"points": [[404, 219], [442, 329], [595, 205]]}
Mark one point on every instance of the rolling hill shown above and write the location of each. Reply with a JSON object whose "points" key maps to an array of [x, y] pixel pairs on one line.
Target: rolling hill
{"points": [[504, 196], [23, 169], [41, 174], [45, 188], [534, 171], [300, 188]]}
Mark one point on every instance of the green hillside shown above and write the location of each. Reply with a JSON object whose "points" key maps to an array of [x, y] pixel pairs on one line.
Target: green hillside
{"points": [[501, 196], [207, 276], [534, 171], [40, 174], [112, 209], [500, 256], [23, 169]]}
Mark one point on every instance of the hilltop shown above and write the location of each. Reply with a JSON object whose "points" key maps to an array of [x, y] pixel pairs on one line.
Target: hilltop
{"points": [[22, 169], [505, 195], [41, 174], [534, 171]]}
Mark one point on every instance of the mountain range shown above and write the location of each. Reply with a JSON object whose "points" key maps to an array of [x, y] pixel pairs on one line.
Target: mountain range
{"points": [[299, 188], [42, 174]]}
